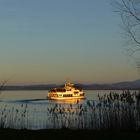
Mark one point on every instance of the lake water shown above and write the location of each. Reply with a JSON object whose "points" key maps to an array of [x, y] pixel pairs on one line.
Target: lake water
{"points": [[31, 110], [39, 97], [41, 94]]}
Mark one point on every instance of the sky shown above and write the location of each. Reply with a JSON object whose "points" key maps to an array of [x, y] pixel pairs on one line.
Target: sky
{"points": [[51, 41]]}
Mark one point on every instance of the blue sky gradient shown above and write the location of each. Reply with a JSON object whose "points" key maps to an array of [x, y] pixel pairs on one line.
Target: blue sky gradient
{"points": [[50, 41]]}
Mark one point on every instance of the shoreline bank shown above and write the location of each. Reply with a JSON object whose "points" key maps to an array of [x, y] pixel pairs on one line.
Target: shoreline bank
{"points": [[13, 134]]}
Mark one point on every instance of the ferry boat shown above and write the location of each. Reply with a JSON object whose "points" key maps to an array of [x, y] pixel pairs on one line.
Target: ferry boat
{"points": [[65, 93]]}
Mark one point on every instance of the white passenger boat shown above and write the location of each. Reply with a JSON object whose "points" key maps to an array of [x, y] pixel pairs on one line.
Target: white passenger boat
{"points": [[66, 93]]}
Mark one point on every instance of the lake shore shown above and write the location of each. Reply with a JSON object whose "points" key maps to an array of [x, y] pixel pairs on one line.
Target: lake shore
{"points": [[13, 134]]}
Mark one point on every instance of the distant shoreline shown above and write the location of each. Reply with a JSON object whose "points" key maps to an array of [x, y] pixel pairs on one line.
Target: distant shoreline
{"points": [[19, 88], [36, 89], [128, 85]]}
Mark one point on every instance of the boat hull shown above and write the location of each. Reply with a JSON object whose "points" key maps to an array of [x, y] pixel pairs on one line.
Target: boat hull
{"points": [[65, 98]]}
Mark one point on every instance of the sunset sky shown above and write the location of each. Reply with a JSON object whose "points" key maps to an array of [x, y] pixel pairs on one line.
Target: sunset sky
{"points": [[51, 41]]}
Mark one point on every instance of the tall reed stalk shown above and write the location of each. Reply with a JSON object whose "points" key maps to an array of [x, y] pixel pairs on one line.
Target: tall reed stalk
{"points": [[111, 111]]}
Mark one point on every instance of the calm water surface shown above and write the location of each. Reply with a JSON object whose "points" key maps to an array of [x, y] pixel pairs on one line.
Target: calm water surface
{"points": [[41, 94], [31, 110]]}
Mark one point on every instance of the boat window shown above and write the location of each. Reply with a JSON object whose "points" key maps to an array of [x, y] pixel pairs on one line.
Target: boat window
{"points": [[67, 95]]}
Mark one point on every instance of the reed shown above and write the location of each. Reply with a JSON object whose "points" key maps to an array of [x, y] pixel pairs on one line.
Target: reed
{"points": [[111, 111]]}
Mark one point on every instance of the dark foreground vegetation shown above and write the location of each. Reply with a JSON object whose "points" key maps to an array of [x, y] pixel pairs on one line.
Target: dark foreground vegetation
{"points": [[11, 134]]}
